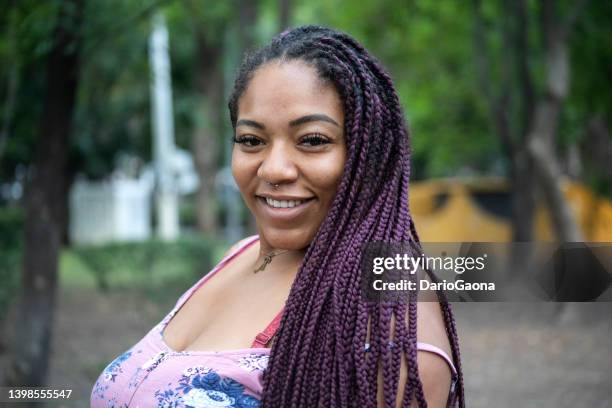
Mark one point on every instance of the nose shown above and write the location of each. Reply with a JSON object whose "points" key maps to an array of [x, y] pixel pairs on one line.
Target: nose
{"points": [[278, 165]]}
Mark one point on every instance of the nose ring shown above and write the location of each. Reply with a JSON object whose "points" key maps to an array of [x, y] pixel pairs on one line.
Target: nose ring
{"points": [[274, 186]]}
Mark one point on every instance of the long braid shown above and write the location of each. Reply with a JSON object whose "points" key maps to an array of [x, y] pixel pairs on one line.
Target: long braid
{"points": [[318, 357]]}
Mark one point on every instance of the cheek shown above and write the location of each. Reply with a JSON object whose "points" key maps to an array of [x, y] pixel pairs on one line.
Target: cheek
{"points": [[326, 176], [242, 170]]}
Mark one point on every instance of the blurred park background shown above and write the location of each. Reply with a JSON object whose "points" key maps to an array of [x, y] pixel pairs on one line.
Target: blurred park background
{"points": [[116, 194]]}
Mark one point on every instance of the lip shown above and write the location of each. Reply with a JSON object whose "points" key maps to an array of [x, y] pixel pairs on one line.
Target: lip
{"points": [[283, 197], [282, 214]]}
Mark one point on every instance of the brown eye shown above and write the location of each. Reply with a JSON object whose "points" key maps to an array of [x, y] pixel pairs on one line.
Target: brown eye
{"points": [[314, 139], [247, 140]]}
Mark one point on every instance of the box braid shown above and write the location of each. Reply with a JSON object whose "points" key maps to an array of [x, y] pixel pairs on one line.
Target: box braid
{"points": [[318, 358]]}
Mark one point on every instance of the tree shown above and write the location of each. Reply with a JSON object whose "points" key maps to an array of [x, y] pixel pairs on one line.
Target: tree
{"points": [[510, 103], [530, 145], [46, 194], [284, 14], [208, 28], [426, 48], [212, 30], [541, 138]]}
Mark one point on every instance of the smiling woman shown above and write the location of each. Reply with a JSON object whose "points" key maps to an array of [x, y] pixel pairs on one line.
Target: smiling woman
{"points": [[321, 158], [290, 152]]}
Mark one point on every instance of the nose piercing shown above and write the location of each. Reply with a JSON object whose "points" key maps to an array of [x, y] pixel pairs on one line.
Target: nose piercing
{"points": [[274, 186]]}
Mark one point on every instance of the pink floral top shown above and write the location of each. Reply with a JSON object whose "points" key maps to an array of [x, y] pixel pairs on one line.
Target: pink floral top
{"points": [[151, 374]]}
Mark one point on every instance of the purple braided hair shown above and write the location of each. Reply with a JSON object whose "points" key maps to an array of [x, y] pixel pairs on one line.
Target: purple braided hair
{"points": [[318, 357]]}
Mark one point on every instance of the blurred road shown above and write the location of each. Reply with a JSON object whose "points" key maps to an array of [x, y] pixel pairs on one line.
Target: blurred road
{"points": [[514, 355]]}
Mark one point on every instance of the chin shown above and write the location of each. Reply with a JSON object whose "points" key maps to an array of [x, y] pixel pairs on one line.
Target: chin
{"points": [[292, 239]]}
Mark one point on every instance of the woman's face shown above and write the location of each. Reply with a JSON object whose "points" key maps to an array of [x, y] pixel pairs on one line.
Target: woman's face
{"points": [[290, 133]]}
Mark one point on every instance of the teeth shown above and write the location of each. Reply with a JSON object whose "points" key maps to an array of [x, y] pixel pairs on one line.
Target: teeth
{"points": [[283, 203]]}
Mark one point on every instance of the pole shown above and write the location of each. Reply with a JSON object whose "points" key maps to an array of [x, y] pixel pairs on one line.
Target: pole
{"points": [[163, 131]]}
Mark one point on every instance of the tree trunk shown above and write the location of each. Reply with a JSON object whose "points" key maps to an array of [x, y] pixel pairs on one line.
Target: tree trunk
{"points": [[247, 16], [550, 178], [500, 112], [32, 320], [542, 136], [284, 14], [597, 145], [206, 146], [246, 41], [522, 165]]}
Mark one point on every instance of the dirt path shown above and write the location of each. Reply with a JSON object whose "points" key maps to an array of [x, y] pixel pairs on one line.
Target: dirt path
{"points": [[518, 356], [513, 356], [91, 330]]}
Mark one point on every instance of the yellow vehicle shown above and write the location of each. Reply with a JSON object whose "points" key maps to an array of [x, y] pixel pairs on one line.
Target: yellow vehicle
{"points": [[452, 210]]}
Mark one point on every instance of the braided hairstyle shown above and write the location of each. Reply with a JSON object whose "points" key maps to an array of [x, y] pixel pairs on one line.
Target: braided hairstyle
{"points": [[318, 357]]}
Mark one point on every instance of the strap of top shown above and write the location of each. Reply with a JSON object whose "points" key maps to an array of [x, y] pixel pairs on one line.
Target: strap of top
{"points": [[241, 246], [265, 336], [421, 346], [452, 395], [437, 350]]}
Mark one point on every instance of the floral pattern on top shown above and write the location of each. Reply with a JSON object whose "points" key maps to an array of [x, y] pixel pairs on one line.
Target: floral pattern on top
{"points": [[114, 368], [109, 374], [254, 362], [202, 387]]}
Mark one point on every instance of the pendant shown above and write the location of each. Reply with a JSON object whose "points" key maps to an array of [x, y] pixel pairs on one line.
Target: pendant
{"points": [[267, 260]]}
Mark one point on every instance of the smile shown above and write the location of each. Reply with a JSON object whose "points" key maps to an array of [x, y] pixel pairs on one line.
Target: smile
{"points": [[283, 209], [283, 203]]}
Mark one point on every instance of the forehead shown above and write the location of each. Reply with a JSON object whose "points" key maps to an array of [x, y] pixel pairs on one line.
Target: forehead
{"points": [[282, 90]]}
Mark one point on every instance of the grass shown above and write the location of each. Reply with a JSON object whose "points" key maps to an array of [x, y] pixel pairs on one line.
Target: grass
{"points": [[153, 268], [74, 273]]}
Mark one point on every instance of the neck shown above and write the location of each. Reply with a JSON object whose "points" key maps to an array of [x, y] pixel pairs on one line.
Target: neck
{"points": [[285, 255]]}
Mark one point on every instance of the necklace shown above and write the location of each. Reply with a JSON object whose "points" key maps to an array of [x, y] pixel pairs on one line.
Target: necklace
{"points": [[268, 259]]}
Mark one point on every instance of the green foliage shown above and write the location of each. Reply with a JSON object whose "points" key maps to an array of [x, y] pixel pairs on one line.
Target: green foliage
{"points": [[149, 266], [188, 211], [591, 57], [112, 113], [25, 32], [427, 47], [11, 244], [11, 222], [591, 66]]}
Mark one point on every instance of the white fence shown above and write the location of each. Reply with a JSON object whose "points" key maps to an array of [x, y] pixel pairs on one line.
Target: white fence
{"points": [[117, 210]]}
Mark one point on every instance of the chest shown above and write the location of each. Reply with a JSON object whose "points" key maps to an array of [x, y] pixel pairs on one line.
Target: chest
{"points": [[228, 310]]}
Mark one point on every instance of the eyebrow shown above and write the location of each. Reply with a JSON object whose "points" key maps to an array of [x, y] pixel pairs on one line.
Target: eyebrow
{"points": [[251, 123], [316, 117]]}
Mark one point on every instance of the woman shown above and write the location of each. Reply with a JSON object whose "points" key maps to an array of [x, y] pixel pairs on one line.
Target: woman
{"points": [[321, 158]]}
